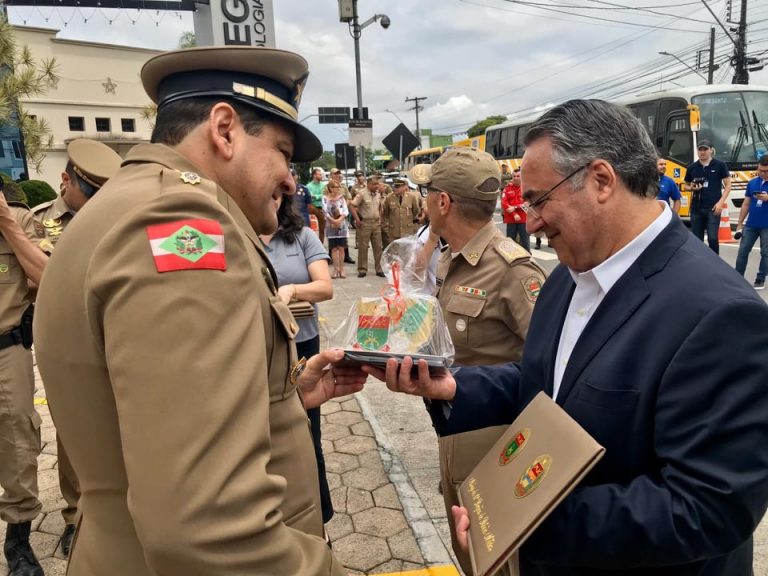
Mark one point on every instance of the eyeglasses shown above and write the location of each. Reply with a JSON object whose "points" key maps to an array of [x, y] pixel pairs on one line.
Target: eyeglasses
{"points": [[425, 189], [530, 207]]}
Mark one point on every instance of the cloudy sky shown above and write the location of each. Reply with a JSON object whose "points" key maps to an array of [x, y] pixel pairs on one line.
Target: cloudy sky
{"points": [[470, 58]]}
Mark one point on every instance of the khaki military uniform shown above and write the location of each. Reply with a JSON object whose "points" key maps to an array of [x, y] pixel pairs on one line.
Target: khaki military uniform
{"points": [[399, 214], [368, 206], [177, 384], [19, 421], [487, 293], [54, 217], [356, 189]]}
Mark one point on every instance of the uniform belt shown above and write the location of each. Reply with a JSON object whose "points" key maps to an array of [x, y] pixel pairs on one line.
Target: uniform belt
{"points": [[10, 338]]}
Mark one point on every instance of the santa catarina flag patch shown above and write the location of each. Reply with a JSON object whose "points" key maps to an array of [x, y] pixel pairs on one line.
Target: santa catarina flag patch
{"points": [[187, 245]]}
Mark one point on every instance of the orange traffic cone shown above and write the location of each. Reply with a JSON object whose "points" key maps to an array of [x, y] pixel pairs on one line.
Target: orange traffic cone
{"points": [[313, 224], [724, 235]]}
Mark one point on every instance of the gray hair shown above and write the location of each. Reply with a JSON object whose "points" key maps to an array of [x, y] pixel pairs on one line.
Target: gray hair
{"points": [[474, 209], [585, 130]]}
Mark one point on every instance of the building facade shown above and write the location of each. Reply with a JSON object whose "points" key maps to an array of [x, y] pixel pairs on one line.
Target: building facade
{"points": [[98, 95]]}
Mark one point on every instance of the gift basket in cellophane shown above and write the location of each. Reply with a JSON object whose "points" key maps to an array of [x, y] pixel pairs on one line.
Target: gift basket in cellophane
{"points": [[402, 320]]}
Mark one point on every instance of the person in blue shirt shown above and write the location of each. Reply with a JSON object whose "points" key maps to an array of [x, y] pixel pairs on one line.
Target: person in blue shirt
{"points": [[710, 181], [755, 209], [668, 190]]}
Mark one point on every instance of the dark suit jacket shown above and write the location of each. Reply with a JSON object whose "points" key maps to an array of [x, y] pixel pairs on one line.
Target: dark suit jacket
{"points": [[671, 376]]}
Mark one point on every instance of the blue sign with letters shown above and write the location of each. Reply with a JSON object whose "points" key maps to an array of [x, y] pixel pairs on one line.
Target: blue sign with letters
{"points": [[676, 172]]}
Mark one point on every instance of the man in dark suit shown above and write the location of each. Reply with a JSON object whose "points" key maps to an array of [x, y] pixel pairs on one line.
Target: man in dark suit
{"points": [[648, 340]]}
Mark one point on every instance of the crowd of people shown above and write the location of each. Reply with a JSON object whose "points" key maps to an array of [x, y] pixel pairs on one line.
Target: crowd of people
{"points": [[176, 332]]}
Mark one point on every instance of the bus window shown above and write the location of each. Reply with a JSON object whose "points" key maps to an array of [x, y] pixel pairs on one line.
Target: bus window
{"points": [[492, 142], [521, 132], [646, 112], [507, 146], [667, 107], [726, 122], [679, 138], [757, 106]]}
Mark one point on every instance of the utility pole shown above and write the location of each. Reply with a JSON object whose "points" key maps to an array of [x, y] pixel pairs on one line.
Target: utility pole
{"points": [[416, 107], [711, 71], [740, 71]]}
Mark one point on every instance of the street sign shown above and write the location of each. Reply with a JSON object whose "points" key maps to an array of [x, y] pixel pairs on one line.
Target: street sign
{"points": [[356, 113], [226, 23], [331, 115], [361, 133], [401, 142], [345, 156]]}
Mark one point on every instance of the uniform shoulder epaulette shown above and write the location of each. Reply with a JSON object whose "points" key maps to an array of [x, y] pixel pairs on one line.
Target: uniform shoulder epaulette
{"points": [[43, 206], [511, 251]]}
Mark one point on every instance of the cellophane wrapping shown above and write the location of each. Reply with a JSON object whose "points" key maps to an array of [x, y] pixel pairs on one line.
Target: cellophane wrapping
{"points": [[401, 319]]}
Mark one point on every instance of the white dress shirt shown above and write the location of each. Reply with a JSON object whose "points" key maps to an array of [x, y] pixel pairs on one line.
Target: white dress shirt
{"points": [[593, 285]]}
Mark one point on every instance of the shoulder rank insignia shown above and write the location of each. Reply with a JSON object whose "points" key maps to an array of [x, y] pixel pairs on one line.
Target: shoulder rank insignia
{"points": [[187, 245], [532, 287], [191, 178], [510, 250]]}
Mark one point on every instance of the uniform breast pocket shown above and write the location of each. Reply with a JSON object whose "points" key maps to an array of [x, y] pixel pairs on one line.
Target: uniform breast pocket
{"points": [[464, 319], [614, 400], [284, 348], [7, 269]]}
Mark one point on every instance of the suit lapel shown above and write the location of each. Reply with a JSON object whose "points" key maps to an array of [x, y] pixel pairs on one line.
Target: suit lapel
{"points": [[618, 306]]}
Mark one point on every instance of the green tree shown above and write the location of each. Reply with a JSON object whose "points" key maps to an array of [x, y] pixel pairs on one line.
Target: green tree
{"points": [[187, 40], [37, 192], [22, 76], [479, 128], [11, 190]]}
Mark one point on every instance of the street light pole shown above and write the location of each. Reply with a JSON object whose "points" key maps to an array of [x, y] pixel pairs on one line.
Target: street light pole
{"points": [[684, 64], [357, 30]]}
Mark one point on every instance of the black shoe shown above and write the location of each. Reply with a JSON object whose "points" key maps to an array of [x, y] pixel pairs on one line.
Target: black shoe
{"points": [[66, 539], [18, 553], [440, 486], [361, 274], [759, 285], [381, 274], [349, 260]]}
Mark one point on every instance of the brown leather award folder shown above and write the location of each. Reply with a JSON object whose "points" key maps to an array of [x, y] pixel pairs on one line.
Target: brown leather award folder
{"points": [[536, 463]]}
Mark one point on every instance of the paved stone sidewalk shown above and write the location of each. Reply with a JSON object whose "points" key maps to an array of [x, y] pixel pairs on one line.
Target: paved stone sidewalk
{"points": [[369, 532]]}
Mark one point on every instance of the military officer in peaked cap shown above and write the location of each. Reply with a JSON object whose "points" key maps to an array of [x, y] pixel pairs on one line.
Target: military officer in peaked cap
{"points": [[169, 359], [487, 287], [89, 165], [399, 212]]}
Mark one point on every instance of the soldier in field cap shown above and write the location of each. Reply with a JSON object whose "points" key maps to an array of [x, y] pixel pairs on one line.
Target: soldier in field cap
{"points": [[487, 287], [169, 361], [89, 165]]}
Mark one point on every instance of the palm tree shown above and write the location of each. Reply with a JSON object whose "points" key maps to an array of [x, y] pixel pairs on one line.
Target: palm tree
{"points": [[22, 76]]}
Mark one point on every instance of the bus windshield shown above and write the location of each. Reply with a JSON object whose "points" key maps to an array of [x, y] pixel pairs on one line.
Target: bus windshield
{"points": [[735, 123]]}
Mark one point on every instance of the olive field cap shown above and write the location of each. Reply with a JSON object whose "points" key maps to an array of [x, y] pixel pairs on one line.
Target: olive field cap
{"points": [[94, 162], [358, 173], [703, 144], [466, 172], [271, 80], [373, 178], [335, 171]]}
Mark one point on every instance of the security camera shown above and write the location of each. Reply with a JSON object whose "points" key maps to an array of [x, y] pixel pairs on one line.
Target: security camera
{"points": [[385, 21]]}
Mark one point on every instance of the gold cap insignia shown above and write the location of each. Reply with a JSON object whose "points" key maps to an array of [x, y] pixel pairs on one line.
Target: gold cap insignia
{"points": [[191, 178]]}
